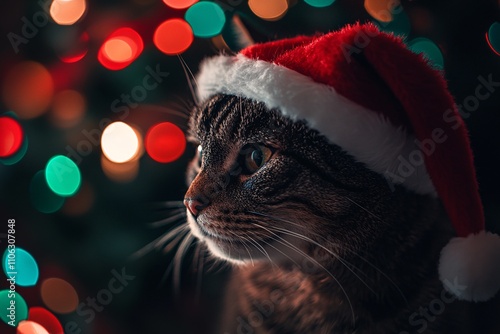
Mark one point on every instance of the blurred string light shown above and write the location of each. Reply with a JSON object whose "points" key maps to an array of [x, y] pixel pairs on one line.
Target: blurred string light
{"points": [[165, 142], [319, 3], [67, 12], [77, 49], [28, 89], [62, 175], [11, 136], [381, 10], [20, 309], [45, 318], [81, 202], [42, 197], [207, 19], [269, 10], [59, 295], [173, 36], [25, 267], [123, 172], [493, 37], [30, 327], [429, 50], [68, 108], [179, 4], [119, 142], [120, 49]]}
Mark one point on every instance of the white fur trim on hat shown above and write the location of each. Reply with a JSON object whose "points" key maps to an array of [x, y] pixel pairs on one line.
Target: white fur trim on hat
{"points": [[470, 267], [368, 136]]}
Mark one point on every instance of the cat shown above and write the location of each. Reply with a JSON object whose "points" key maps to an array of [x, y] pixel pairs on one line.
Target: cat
{"points": [[319, 243]]}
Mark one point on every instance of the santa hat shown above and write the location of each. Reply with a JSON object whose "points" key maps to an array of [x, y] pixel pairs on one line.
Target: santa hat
{"points": [[389, 109]]}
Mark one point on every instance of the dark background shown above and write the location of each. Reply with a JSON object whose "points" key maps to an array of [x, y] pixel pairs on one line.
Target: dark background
{"points": [[83, 249]]}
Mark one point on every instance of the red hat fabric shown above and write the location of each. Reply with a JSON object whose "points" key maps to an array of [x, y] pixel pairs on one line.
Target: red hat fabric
{"points": [[388, 108]]}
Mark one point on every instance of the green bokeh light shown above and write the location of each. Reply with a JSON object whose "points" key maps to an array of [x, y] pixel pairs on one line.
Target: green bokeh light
{"points": [[25, 267], [319, 3], [62, 175], [494, 37], [207, 19], [21, 309], [42, 197], [429, 50]]}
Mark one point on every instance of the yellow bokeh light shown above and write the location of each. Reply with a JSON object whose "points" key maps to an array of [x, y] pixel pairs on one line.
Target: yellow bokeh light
{"points": [[119, 142], [67, 12], [269, 10]]}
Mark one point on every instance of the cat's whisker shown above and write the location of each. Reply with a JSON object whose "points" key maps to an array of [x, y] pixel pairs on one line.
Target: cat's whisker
{"points": [[179, 255], [185, 68], [170, 235], [261, 249], [293, 247], [364, 209], [345, 247], [181, 213], [157, 243]]}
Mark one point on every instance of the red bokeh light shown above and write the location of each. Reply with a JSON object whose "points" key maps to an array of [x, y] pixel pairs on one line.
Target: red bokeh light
{"points": [[179, 4], [165, 142], [120, 49], [173, 36], [11, 136], [46, 319]]}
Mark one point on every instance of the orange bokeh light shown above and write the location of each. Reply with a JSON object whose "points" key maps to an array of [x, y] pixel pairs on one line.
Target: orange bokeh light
{"points": [[179, 4], [28, 89], [67, 12], [120, 49], [173, 36], [269, 10], [68, 108]]}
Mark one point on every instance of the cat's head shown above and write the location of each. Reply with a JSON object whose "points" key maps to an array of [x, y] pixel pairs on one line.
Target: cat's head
{"points": [[265, 187]]}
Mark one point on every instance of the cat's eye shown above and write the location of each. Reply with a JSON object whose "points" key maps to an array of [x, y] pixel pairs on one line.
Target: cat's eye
{"points": [[254, 157]]}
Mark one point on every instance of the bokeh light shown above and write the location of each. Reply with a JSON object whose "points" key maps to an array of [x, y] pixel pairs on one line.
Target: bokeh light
{"points": [[173, 36], [81, 202], [20, 308], [68, 108], [429, 50], [77, 50], [319, 3], [58, 295], [25, 266], [28, 89], [493, 37], [381, 10], [45, 318], [120, 49], [179, 4], [207, 19], [67, 12], [119, 142], [14, 159], [165, 142], [269, 10], [30, 327], [62, 175], [42, 197], [123, 172], [11, 136]]}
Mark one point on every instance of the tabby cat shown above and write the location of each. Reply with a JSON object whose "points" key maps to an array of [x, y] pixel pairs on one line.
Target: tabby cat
{"points": [[320, 243]]}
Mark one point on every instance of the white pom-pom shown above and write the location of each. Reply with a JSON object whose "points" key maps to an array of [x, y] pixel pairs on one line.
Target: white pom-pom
{"points": [[470, 267]]}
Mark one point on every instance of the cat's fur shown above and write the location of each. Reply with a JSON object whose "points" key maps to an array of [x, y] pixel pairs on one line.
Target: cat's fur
{"points": [[321, 244]]}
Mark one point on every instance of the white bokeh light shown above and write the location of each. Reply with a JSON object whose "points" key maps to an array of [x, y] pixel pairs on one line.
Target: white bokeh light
{"points": [[119, 142]]}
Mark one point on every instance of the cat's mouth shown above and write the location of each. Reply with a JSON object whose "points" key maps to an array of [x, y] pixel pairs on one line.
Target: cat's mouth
{"points": [[235, 248]]}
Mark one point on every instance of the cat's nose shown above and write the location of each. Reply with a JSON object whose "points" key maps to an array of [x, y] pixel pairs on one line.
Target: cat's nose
{"points": [[194, 205]]}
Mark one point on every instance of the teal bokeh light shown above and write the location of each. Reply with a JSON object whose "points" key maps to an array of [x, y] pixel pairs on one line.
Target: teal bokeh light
{"points": [[21, 308], [42, 197], [429, 50], [319, 3], [63, 176], [23, 264], [207, 19], [493, 37]]}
